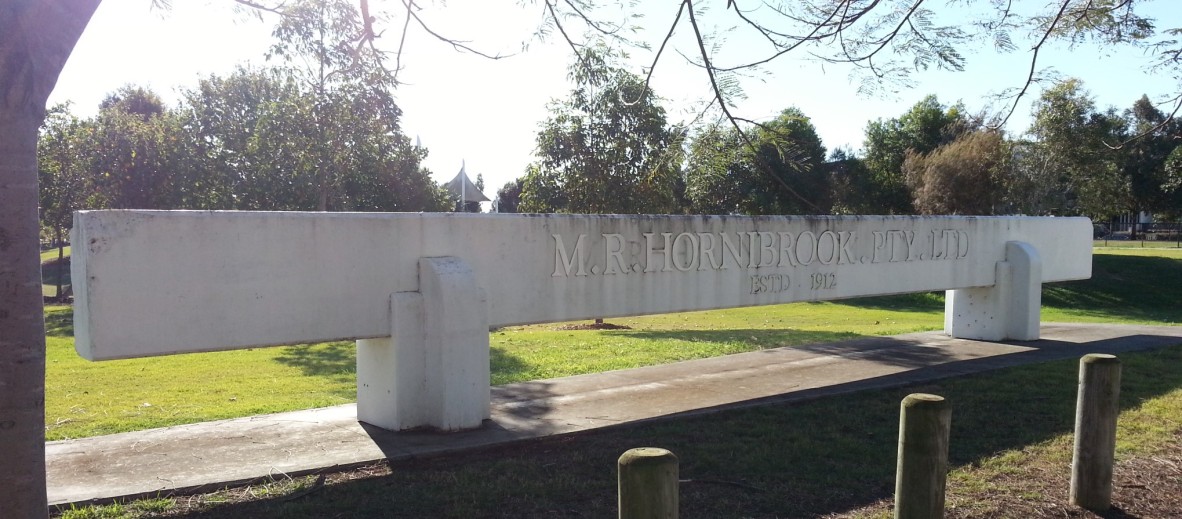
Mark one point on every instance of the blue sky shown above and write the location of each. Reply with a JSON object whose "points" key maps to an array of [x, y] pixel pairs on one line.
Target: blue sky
{"points": [[467, 108]]}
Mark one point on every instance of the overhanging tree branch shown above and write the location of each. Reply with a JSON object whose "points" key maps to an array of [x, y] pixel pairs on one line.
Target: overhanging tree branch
{"points": [[455, 43], [1177, 100], [656, 58], [1034, 61], [734, 122]]}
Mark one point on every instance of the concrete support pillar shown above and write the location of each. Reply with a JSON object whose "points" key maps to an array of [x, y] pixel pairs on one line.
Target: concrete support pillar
{"points": [[648, 484], [433, 371], [1008, 310]]}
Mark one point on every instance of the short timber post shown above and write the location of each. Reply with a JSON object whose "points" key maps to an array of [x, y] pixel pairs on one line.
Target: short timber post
{"points": [[1096, 409], [648, 484], [924, 423]]}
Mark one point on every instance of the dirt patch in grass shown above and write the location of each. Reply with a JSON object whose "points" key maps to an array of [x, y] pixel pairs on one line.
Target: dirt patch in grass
{"points": [[1146, 487], [594, 326]]}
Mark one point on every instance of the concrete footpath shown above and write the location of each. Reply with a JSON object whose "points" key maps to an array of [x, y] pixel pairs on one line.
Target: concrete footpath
{"points": [[210, 455]]}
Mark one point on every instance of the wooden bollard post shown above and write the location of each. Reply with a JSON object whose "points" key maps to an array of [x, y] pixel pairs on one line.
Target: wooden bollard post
{"points": [[1096, 409], [924, 423], [648, 484]]}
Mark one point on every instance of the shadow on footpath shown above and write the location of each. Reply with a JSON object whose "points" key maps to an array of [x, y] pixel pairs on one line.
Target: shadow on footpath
{"points": [[828, 450]]}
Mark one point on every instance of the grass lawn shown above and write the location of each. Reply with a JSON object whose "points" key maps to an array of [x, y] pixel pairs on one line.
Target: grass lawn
{"points": [[52, 271], [51, 254], [1141, 244], [833, 457], [86, 399]]}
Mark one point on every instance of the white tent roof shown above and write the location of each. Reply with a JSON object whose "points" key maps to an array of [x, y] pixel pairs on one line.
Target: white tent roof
{"points": [[463, 186]]}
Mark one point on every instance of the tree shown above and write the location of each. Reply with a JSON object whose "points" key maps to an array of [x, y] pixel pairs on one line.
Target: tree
{"points": [[923, 128], [345, 85], [64, 176], [1172, 184], [607, 148], [1072, 136], [1145, 157], [508, 197], [965, 176], [35, 40], [1036, 186], [851, 185], [224, 120], [781, 172], [542, 191], [136, 143], [282, 139], [715, 172], [886, 39]]}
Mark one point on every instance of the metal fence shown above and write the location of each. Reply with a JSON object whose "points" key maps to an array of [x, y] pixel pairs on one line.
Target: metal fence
{"points": [[1158, 234]]}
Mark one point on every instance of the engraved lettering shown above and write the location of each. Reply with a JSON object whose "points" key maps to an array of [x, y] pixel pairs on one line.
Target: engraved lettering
{"points": [[685, 247], [665, 251], [912, 252], [846, 240], [950, 245], [787, 250], [811, 248], [751, 250], [770, 283], [613, 246], [879, 245], [938, 247], [823, 281], [767, 249], [566, 262], [827, 237], [894, 244], [735, 251], [962, 244], [757, 285], [708, 243]]}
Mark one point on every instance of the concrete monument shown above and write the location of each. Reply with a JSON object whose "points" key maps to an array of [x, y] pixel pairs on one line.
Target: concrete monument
{"points": [[419, 291]]}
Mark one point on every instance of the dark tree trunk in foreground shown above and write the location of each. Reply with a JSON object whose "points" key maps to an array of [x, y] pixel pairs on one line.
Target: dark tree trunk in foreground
{"points": [[36, 37]]}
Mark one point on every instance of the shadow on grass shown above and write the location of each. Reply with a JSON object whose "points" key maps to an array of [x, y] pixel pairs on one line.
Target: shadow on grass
{"points": [[1138, 288], [506, 366], [804, 459], [758, 337], [923, 302], [838, 344], [333, 360], [1130, 287], [59, 322]]}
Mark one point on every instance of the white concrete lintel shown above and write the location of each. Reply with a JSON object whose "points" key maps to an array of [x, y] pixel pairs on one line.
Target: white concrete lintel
{"points": [[1008, 310], [433, 370]]}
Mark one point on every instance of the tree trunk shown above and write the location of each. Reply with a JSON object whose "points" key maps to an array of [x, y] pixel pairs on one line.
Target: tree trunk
{"points": [[61, 263], [36, 38], [22, 332]]}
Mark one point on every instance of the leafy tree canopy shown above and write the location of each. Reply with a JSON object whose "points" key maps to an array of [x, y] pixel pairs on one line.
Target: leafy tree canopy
{"points": [[606, 148]]}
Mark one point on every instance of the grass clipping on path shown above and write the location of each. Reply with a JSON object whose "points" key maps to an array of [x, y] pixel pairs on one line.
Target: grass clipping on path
{"points": [[832, 457]]}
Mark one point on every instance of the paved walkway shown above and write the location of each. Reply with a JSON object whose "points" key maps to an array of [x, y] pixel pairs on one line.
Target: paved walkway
{"points": [[209, 455]]}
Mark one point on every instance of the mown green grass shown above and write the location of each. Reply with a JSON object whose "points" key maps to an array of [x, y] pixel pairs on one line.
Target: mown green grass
{"points": [[85, 399], [831, 455], [51, 254], [1140, 244], [52, 271]]}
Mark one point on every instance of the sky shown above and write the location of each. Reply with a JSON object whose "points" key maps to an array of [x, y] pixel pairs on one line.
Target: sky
{"points": [[485, 114]]}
